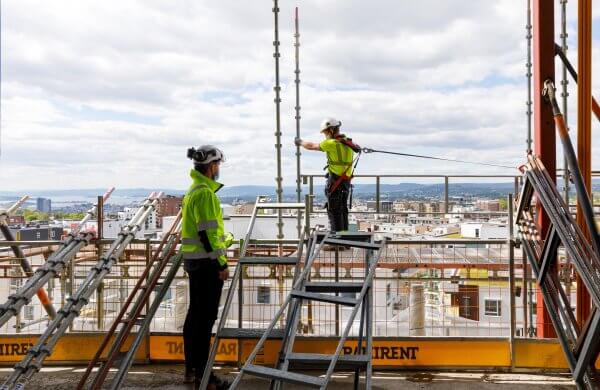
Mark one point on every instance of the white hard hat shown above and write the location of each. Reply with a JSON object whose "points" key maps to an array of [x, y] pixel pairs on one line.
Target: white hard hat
{"points": [[205, 154], [329, 122]]}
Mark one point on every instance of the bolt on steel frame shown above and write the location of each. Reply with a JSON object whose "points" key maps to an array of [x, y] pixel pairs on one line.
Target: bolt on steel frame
{"points": [[297, 117], [528, 75], [277, 89]]}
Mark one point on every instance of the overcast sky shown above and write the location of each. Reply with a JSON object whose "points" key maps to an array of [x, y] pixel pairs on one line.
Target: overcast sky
{"points": [[99, 93]]}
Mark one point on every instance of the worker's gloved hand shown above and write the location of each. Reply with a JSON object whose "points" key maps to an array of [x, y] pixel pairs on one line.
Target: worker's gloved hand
{"points": [[228, 239], [298, 141]]}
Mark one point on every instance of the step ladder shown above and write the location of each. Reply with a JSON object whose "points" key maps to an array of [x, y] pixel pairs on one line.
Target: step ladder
{"points": [[580, 344], [304, 290], [237, 282], [137, 311]]}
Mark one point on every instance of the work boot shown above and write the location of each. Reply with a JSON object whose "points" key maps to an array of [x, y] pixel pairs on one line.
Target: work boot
{"points": [[219, 383], [188, 376]]}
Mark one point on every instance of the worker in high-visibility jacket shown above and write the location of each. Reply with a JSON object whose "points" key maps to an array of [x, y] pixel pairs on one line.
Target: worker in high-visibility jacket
{"points": [[340, 157], [204, 242]]}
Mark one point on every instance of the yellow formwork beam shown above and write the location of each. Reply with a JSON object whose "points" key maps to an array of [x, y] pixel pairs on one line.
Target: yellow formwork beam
{"points": [[390, 353]]}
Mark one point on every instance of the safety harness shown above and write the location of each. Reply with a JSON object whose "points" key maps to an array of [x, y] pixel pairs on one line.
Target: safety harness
{"points": [[342, 139]]}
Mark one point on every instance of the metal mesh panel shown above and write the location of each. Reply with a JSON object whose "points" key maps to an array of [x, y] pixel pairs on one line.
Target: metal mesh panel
{"points": [[420, 288]]}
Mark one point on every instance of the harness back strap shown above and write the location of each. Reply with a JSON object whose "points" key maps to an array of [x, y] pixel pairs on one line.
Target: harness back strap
{"points": [[344, 176]]}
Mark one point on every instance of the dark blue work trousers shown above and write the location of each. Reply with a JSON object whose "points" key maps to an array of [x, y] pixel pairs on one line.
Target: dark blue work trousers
{"points": [[205, 295], [337, 203]]}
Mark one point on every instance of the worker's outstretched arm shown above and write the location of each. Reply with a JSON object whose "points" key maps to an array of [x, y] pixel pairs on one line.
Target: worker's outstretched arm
{"points": [[307, 145]]}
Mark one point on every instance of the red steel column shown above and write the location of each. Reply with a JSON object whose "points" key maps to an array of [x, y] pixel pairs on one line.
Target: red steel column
{"points": [[543, 121], [584, 130]]}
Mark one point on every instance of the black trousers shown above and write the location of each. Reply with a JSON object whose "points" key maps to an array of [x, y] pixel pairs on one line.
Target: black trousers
{"points": [[205, 294], [337, 203]]}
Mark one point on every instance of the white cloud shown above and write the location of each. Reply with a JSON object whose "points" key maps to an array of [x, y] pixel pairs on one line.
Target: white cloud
{"points": [[101, 93]]}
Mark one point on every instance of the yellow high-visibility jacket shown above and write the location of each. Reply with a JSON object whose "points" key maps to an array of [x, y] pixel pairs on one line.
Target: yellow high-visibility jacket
{"points": [[339, 156], [203, 235]]}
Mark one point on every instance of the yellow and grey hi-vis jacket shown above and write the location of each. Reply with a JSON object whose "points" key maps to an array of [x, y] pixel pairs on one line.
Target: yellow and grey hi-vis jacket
{"points": [[203, 235]]}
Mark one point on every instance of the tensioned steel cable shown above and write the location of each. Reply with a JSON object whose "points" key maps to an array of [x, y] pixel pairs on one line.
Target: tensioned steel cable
{"points": [[368, 150]]}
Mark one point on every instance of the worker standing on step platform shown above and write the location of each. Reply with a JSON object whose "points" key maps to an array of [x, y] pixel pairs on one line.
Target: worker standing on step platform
{"points": [[204, 242], [340, 158]]}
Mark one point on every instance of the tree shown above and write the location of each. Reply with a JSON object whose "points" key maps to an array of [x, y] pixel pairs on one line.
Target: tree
{"points": [[34, 215], [63, 215], [503, 203]]}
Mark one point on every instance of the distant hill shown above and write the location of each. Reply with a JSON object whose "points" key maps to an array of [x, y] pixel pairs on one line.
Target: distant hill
{"points": [[86, 192], [248, 192]]}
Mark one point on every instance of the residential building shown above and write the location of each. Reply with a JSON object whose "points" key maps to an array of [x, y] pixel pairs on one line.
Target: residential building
{"points": [[484, 230], [44, 205], [385, 206], [167, 206], [37, 233], [445, 230], [16, 220], [488, 204]]}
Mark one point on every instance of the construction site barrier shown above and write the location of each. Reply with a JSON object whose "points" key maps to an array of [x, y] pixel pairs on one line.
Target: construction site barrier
{"points": [[391, 353]]}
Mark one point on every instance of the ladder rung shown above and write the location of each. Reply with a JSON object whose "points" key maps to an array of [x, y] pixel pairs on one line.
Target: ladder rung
{"points": [[136, 321], [358, 236], [237, 333], [275, 206], [285, 376], [268, 260], [318, 360], [333, 287], [157, 286], [324, 298], [354, 244], [119, 358]]}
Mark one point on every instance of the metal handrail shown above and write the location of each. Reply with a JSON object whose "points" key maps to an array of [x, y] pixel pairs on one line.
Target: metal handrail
{"points": [[308, 179], [37, 243], [434, 175], [293, 241]]}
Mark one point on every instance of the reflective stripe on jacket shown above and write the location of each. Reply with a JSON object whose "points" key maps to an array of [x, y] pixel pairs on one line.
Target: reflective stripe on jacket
{"points": [[203, 235], [339, 156]]}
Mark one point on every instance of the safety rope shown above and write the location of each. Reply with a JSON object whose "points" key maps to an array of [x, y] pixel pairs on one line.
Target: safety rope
{"points": [[369, 150]]}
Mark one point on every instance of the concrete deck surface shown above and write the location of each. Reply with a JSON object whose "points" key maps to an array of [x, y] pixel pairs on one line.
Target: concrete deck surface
{"points": [[170, 377]]}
